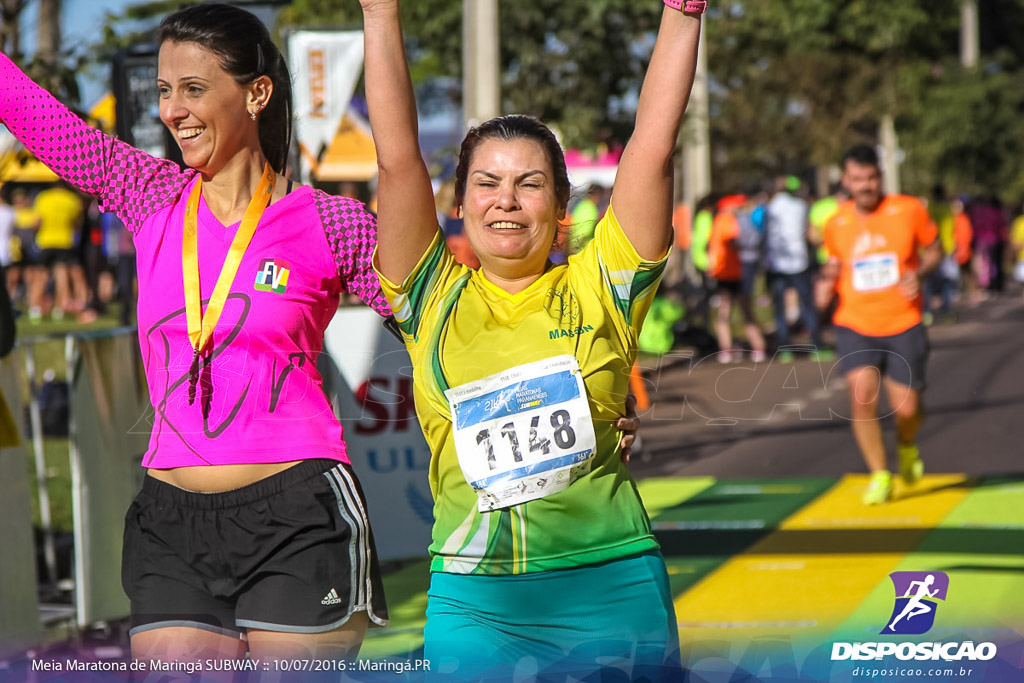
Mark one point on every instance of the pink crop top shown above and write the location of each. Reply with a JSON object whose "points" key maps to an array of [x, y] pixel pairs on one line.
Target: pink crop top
{"points": [[266, 402]]}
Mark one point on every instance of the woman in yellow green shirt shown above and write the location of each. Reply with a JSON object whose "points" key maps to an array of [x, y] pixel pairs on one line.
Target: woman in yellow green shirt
{"points": [[541, 548]]}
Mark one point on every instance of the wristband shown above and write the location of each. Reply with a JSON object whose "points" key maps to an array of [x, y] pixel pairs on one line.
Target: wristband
{"points": [[688, 6]]}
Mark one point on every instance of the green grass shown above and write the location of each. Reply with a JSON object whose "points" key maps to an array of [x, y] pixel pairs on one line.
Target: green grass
{"points": [[46, 338], [406, 593], [58, 482]]}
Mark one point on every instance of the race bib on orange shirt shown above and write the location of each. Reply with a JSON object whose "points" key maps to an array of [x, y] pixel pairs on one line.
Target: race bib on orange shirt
{"points": [[877, 271]]}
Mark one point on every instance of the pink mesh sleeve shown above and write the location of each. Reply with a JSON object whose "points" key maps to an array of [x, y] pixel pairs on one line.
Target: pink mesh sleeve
{"points": [[352, 234], [127, 182]]}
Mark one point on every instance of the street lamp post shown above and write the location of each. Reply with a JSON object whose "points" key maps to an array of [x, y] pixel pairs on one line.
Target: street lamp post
{"points": [[481, 64], [969, 48], [694, 179]]}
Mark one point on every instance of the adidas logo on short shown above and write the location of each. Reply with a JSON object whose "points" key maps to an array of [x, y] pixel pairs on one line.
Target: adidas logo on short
{"points": [[331, 598]]}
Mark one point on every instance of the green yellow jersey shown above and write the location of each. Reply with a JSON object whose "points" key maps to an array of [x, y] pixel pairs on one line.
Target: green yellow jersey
{"points": [[517, 395]]}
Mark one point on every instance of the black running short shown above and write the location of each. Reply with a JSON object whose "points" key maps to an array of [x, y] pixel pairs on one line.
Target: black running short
{"points": [[901, 357], [292, 553], [732, 287], [51, 257]]}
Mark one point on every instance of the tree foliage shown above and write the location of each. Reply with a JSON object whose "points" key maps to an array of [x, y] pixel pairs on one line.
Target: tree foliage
{"points": [[799, 80], [564, 60]]}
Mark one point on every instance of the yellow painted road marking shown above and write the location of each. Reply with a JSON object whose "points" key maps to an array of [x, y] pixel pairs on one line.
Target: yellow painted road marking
{"points": [[803, 580]]}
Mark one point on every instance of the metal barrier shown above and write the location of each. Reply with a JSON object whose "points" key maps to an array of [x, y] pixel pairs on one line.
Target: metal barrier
{"points": [[19, 607], [366, 375], [107, 398]]}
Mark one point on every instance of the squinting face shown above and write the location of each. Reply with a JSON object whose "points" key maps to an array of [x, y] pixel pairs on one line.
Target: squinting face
{"points": [[864, 183], [203, 107], [510, 210]]}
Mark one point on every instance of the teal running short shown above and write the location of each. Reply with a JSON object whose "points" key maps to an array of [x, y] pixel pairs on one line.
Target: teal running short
{"points": [[567, 624]]}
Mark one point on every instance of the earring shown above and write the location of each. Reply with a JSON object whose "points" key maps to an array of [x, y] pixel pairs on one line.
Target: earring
{"points": [[252, 115]]}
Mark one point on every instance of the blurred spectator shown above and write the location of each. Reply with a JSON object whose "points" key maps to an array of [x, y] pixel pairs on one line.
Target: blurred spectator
{"points": [[942, 281], [682, 226], [94, 261], [1017, 246], [787, 261], [820, 213], [963, 235], [6, 233], [675, 279], [750, 242], [127, 296], [60, 219], [700, 236], [6, 311], [351, 189], [989, 225], [585, 216], [24, 252], [732, 222], [7, 328]]}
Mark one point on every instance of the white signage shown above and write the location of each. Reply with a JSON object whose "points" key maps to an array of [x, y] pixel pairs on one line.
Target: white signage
{"points": [[368, 376], [325, 68]]}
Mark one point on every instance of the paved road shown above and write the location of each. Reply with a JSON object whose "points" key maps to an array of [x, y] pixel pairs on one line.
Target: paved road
{"points": [[773, 420]]}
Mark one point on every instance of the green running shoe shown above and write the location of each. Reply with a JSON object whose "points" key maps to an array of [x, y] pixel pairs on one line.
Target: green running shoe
{"points": [[879, 488], [911, 466]]}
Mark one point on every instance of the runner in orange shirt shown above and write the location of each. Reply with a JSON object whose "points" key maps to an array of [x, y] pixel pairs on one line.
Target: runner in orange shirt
{"points": [[734, 278], [963, 236], [875, 263]]}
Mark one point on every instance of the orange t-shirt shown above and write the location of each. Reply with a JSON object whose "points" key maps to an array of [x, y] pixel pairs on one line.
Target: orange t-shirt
{"points": [[725, 259], [963, 233], [875, 251], [683, 227]]}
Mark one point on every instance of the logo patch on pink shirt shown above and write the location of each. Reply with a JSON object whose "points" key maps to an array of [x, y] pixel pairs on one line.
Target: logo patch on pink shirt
{"points": [[272, 276]]}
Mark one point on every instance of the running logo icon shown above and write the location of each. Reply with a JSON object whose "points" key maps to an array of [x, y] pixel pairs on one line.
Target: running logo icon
{"points": [[917, 596], [272, 276]]}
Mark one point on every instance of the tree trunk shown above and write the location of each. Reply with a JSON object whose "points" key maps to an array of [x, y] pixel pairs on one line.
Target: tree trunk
{"points": [[49, 31], [48, 42], [10, 35]]}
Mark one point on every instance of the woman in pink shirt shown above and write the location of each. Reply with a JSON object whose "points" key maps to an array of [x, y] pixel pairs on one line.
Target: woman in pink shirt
{"points": [[250, 533]]}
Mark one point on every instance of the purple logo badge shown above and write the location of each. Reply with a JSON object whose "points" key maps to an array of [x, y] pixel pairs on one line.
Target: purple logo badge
{"points": [[917, 596]]}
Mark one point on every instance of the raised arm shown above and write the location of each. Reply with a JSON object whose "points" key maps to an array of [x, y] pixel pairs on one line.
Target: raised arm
{"points": [[127, 182], [406, 221], [642, 196]]}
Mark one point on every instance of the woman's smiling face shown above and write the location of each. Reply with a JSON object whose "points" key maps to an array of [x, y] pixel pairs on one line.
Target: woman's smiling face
{"points": [[510, 210], [203, 106]]}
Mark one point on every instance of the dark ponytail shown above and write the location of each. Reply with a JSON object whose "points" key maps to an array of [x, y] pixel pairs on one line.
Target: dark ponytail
{"points": [[245, 49]]}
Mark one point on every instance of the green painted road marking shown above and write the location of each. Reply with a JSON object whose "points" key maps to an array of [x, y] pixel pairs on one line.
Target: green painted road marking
{"points": [[728, 517]]}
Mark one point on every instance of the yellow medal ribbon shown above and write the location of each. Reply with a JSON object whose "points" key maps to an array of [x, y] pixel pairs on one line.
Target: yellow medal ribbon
{"points": [[200, 326]]}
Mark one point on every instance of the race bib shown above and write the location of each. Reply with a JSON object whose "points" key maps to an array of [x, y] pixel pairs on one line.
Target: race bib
{"points": [[523, 433], [878, 271]]}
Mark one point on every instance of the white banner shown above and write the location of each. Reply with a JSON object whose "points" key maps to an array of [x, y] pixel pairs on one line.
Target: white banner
{"points": [[325, 67], [368, 375]]}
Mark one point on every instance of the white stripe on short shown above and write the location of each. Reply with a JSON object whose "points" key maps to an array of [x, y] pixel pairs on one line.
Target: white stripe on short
{"points": [[352, 510]]}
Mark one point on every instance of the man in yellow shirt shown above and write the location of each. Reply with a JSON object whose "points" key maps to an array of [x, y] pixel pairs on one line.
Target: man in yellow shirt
{"points": [[60, 218]]}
